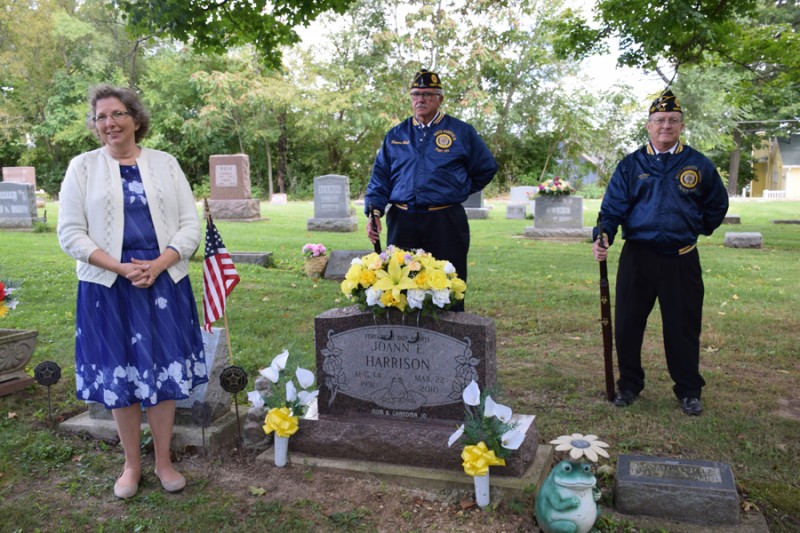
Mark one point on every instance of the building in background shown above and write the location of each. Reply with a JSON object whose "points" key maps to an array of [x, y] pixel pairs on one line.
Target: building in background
{"points": [[777, 169]]}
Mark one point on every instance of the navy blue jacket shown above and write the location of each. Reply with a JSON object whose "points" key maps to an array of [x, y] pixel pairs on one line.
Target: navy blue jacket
{"points": [[443, 166], [664, 205]]}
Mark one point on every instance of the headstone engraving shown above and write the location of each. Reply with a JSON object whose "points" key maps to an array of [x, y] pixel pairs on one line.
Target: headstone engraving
{"points": [[332, 211], [230, 188], [558, 212], [17, 205], [702, 492], [401, 370]]}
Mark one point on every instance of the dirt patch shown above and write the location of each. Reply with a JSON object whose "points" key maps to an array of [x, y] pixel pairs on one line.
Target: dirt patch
{"points": [[789, 408], [382, 506]]}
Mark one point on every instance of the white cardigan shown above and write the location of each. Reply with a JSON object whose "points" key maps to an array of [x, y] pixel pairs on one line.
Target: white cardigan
{"points": [[91, 212]]}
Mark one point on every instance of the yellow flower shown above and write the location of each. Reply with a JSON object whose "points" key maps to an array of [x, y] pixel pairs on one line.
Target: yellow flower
{"points": [[458, 286], [478, 458], [395, 279], [372, 261], [348, 287], [421, 280], [438, 280], [366, 278], [388, 300], [3, 310], [281, 421]]}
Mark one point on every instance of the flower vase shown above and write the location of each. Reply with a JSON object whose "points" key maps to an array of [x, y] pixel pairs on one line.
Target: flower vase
{"points": [[315, 266], [281, 450], [482, 497]]}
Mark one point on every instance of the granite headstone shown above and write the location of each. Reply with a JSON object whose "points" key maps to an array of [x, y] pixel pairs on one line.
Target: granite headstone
{"points": [[702, 492], [17, 205], [230, 188], [391, 388], [332, 210], [20, 175], [474, 207], [339, 262]]}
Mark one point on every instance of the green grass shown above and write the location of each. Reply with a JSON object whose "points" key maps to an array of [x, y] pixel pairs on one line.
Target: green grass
{"points": [[543, 296]]}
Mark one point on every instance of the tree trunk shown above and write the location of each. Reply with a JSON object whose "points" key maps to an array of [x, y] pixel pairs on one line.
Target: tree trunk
{"points": [[269, 169], [733, 169], [283, 149]]}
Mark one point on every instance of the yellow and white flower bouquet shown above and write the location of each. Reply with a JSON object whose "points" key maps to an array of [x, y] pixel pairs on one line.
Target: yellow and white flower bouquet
{"points": [[410, 281]]}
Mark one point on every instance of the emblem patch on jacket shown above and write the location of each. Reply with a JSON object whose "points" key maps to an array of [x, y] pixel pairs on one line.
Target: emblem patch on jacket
{"points": [[689, 178], [445, 139]]}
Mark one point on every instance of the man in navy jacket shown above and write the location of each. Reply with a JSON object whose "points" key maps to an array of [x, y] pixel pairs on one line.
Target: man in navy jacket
{"points": [[426, 167], [663, 195]]}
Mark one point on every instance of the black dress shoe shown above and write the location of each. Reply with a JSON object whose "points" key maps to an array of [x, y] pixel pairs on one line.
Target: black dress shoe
{"points": [[624, 398], [691, 406]]}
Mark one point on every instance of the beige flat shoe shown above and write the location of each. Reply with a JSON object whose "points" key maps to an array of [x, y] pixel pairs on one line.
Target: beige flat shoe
{"points": [[172, 486], [123, 492]]}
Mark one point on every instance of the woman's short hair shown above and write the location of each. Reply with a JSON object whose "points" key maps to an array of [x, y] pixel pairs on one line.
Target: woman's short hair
{"points": [[129, 98]]}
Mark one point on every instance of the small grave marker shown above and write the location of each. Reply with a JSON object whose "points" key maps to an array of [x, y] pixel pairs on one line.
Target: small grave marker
{"points": [[703, 492]]}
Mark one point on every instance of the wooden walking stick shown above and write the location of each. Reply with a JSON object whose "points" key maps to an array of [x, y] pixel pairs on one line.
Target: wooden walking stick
{"points": [[605, 317], [373, 216]]}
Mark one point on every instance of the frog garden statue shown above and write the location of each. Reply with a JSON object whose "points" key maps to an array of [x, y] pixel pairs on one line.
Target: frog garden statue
{"points": [[567, 501]]}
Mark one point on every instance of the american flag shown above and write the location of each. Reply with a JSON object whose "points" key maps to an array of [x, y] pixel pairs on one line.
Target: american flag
{"points": [[219, 276]]}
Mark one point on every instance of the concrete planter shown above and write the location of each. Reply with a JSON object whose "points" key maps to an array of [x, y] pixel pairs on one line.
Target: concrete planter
{"points": [[16, 350]]}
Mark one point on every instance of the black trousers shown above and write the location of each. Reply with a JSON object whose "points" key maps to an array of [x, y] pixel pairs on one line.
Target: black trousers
{"points": [[677, 282], [444, 233]]}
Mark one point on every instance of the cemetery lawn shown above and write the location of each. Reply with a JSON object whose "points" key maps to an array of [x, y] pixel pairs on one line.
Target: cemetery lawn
{"points": [[544, 298]]}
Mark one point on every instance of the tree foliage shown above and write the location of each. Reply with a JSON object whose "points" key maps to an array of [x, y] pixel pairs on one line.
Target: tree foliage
{"points": [[216, 26]]}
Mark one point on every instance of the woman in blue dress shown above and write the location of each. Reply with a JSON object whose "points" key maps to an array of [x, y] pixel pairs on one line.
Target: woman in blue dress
{"points": [[127, 215]]}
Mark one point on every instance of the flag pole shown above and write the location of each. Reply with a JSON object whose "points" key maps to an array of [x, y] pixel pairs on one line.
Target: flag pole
{"points": [[228, 336], [207, 213]]}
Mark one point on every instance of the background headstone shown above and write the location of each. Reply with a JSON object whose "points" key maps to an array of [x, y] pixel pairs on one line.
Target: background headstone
{"points": [[516, 210], [702, 492], [474, 207], [743, 239], [339, 262], [558, 217], [558, 212], [231, 198], [17, 205], [732, 219], [279, 199], [20, 175], [332, 210], [522, 194]]}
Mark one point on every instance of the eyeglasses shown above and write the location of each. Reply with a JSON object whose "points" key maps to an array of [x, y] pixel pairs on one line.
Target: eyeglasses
{"points": [[661, 121], [115, 116], [424, 96]]}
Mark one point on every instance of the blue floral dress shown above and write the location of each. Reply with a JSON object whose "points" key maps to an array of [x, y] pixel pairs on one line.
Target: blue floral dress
{"points": [[137, 345]]}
